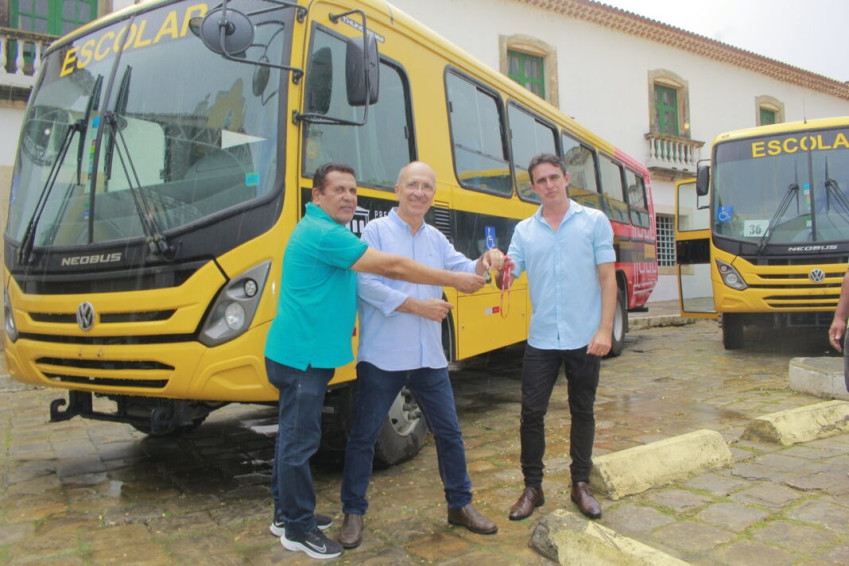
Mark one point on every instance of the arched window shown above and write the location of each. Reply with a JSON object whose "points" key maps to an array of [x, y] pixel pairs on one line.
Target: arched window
{"points": [[531, 63], [769, 110], [670, 104]]}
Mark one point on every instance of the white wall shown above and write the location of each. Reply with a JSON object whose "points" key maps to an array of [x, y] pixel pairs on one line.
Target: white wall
{"points": [[11, 118]]}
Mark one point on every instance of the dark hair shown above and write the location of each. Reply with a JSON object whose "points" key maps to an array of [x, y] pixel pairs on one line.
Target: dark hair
{"points": [[320, 176], [544, 158]]}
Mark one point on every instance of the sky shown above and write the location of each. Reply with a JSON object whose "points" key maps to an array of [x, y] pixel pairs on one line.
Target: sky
{"points": [[810, 34]]}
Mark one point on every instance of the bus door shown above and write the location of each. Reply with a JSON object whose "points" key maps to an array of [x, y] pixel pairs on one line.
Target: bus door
{"points": [[692, 249]]}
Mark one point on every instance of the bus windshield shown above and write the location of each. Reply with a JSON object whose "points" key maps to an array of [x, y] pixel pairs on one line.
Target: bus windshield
{"points": [[783, 189], [137, 126]]}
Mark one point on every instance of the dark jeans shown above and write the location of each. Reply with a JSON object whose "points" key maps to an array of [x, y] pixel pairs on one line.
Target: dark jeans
{"points": [[298, 438], [376, 390], [539, 374], [846, 358]]}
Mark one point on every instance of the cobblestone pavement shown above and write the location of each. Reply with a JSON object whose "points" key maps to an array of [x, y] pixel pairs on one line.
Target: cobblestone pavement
{"points": [[88, 492]]}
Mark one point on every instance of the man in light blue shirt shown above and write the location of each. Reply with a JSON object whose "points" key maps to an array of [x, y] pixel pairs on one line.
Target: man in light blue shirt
{"points": [[567, 251], [401, 346]]}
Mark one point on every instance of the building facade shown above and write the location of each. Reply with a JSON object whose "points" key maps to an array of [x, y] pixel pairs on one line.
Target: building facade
{"points": [[659, 93]]}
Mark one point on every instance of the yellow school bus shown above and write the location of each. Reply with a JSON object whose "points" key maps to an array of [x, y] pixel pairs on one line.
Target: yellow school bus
{"points": [[763, 231], [167, 153]]}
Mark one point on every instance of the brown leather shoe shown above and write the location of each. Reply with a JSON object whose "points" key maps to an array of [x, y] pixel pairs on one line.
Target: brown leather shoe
{"points": [[530, 499], [583, 498], [351, 534], [471, 518]]}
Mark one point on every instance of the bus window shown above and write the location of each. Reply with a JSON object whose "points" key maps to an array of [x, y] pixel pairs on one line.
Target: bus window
{"points": [[580, 162], [529, 136], [480, 156], [614, 194], [377, 150], [636, 187]]}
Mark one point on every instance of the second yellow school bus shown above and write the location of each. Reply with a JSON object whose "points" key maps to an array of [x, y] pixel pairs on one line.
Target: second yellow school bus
{"points": [[764, 229]]}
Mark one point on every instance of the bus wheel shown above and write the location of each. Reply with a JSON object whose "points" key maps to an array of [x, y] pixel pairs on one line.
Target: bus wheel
{"points": [[620, 323], [732, 331], [403, 434]]}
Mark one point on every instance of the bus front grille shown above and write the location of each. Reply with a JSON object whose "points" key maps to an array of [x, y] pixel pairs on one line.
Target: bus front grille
{"points": [[106, 373]]}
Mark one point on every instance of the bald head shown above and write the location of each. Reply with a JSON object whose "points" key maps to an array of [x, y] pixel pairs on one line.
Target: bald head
{"points": [[417, 168]]}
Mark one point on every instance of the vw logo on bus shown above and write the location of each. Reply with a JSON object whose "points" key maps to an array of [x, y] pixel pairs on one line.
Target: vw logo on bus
{"points": [[85, 316], [817, 275]]}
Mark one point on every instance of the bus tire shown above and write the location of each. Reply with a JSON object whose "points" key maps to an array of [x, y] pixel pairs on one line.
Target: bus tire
{"points": [[620, 326], [732, 331], [403, 433]]}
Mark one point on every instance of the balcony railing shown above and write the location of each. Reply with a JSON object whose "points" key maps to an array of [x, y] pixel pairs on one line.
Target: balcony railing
{"points": [[673, 153], [20, 57]]}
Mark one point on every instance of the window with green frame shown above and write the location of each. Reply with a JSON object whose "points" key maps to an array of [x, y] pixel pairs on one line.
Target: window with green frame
{"points": [[528, 71], [768, 116], [666, 110], [51, 17]]}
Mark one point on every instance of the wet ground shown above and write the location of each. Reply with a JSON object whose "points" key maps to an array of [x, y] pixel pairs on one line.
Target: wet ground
{"points": [[87, 492]]}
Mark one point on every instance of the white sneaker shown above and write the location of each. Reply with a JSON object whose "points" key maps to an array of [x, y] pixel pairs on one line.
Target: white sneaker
{"points": [[314, 544]]}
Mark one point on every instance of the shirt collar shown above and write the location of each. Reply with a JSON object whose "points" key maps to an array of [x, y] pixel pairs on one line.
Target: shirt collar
{"points": [[574, 208], [400, 223]]}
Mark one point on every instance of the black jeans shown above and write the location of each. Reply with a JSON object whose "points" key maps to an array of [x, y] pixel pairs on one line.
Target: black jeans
{"points": [[539, 373]]}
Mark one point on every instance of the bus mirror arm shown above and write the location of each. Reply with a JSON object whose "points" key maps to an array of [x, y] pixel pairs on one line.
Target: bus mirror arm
{"points": [[230, 33]]}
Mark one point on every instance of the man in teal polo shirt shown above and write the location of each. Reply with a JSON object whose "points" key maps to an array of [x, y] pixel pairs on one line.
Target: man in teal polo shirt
{"points": [[311, 335]]}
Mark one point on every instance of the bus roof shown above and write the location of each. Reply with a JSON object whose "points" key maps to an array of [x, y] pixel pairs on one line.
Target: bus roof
{"points": [[784, 127]]}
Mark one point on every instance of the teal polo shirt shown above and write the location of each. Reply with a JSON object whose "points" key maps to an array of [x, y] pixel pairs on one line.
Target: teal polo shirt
{"points": [[317, 307]]}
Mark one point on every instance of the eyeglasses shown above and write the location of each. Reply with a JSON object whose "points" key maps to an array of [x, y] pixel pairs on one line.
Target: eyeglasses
{"points": [[419, 186]]}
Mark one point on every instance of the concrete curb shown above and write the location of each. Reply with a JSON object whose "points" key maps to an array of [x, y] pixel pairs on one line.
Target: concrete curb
{"points": [[643, 322], [819, 376], [802, 424], [568, 538], [637, 469]]}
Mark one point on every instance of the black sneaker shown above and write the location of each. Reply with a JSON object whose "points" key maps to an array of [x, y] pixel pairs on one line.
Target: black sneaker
{"points": [[323, 522], [314, 544]]}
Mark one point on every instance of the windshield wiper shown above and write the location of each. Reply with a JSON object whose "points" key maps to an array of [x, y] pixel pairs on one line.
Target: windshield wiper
{"points": [[117, 145], [82, 125], [28, 240], [792, 190], [832, 191], [93, 99]]}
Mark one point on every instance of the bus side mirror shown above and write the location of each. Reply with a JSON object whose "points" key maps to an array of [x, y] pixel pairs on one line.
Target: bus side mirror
{"points": [[362, 71], [224, 31], [702, 180]]}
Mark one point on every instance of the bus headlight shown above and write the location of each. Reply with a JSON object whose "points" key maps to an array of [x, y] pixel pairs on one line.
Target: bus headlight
{"points": [[233, 311], [11, 329], [730, 276], [234, 316]]}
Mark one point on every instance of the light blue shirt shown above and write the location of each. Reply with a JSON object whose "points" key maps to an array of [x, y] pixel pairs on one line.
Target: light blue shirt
{"points": [[562, 275], [396, 341], [317, 306]]}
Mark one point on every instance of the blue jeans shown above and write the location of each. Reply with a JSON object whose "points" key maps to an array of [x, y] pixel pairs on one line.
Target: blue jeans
{"points": [[540, 369], [376, 390], [298, 438]]}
